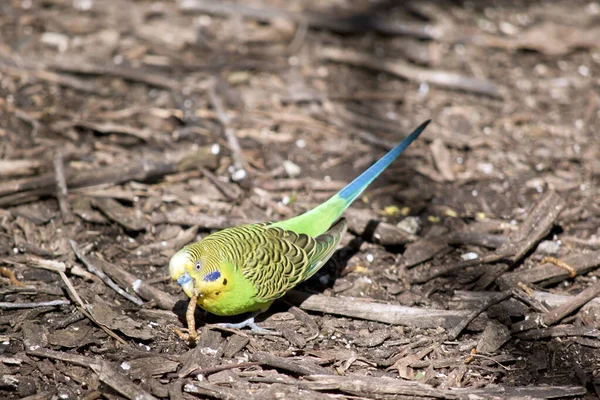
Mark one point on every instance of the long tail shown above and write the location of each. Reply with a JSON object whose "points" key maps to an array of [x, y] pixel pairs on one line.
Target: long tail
{"points": [[318, 220]]}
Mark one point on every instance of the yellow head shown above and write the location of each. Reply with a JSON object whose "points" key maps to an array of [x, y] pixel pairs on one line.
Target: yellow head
{"points": [[198, 274]]}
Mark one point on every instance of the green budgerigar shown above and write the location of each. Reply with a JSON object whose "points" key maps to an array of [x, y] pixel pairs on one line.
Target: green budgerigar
{"points": [[245, 268]]}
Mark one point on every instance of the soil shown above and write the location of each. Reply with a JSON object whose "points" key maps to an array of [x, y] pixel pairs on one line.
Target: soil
{"points": [[131, 128]]}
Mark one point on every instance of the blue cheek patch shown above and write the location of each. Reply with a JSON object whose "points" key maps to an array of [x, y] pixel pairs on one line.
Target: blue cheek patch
{"points": [[213, 276], [183, 279]]}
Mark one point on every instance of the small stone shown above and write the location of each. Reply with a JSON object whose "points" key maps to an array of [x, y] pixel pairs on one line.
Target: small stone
{"points": [[239, 175], [56, 40], [486, 168], [291, 169], [410, 225], [549, 247], [469, 256]]}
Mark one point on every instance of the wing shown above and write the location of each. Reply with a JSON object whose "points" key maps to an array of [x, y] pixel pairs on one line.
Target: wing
{"points": [[284, 259]]}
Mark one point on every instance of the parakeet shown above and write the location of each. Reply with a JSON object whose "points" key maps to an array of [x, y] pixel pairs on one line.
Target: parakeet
{"points": [[245, 268]]}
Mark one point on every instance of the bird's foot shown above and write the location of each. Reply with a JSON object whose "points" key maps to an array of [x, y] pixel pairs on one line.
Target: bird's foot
{"points": [[249, 323]]}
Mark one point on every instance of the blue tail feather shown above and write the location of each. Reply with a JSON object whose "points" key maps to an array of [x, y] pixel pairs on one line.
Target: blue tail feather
{"points": [[317, 221], [356, 187]]}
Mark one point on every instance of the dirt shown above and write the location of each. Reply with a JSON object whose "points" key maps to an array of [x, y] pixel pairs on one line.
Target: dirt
{"points": [[171, 122]]}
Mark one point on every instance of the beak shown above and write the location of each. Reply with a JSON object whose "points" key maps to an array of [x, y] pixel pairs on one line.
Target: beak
{"points": [[187, 284], [184, 279]]}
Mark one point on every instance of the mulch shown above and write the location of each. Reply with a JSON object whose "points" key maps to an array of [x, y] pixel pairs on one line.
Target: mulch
{"points": [[131, 128]]}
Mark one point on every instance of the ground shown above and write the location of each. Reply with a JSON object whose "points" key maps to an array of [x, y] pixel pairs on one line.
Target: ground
{"points": [[130, 128]]}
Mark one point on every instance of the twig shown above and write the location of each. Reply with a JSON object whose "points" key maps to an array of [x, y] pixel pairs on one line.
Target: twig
{"points": [[547, 273], [105, 372], [204, 221], [147, 292], [238, 173], [9, 168], [529, 299], [307, 184], [376, 387], [60, 268], [558, 331], [295, 366], [492, 360], [208, 390], [456, 330], [409, 72], [21, 190], [52, 303], [482, 239], [568, 308], [229, 190], [129, 74], [218, 368], [592, 243], [535, 227], [105, 278], [57, 79], [111, 127], [376, 311], [384, 387], [549, 299], [61, 188]]}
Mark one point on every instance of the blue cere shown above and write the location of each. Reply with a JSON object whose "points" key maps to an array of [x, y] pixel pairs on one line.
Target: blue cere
{"points": [[212, 276], [183, 279]]}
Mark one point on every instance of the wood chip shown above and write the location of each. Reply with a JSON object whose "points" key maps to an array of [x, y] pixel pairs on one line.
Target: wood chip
{"points": [[129, 218], [494, 336], [296, 366], [151, 366], [549, 274], [105, 372], [374, 311]]}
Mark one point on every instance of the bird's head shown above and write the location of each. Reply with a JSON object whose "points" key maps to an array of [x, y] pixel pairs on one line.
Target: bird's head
{"points": [[197, 275]]}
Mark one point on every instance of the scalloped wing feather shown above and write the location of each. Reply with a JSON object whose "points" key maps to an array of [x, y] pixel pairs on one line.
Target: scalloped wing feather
{"points": [[285, 258]]}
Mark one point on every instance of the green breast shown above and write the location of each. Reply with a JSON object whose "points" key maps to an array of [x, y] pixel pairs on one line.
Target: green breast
{"points": [[238, 298]]}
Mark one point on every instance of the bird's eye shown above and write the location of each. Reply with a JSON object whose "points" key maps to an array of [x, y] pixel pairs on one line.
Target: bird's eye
{"points": [[198, 266]]}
